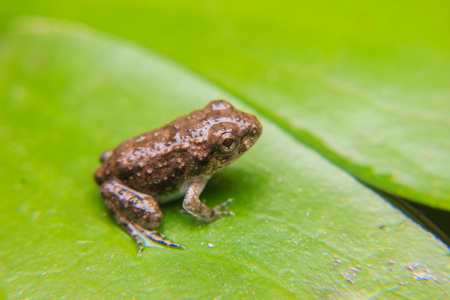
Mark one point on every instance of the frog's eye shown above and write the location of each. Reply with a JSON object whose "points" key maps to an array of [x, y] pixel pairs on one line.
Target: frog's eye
{"points": [[227, 142]]}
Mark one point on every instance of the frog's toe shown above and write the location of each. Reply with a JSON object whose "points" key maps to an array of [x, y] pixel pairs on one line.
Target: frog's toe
{"points": [[219, 213], [161, 239], [140, 244], [220, 206]]}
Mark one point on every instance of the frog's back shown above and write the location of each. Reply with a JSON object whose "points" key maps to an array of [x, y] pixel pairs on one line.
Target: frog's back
{"points": [[152, 163]]}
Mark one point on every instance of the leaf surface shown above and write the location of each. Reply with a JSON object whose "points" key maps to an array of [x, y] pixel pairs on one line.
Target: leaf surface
{"points": [[302, 225]]}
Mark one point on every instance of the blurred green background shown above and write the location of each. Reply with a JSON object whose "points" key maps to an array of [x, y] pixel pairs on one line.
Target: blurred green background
{"points": [[355, 102]]}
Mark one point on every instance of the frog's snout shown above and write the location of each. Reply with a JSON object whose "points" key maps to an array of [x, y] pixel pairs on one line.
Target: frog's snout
{"points": [[253, 134], [249, 141], [257, 129]]}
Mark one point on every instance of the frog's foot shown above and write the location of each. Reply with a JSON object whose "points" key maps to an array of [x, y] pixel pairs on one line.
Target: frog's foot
{"points": [[197, 208], [137, 232], [159, 238], [219, 213]]}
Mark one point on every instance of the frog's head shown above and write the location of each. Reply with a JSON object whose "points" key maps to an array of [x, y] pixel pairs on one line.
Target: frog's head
{"points": [[231, 134]]}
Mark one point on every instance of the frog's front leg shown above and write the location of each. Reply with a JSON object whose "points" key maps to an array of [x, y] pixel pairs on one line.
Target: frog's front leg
{"points": [[198, 209], [138, 213]]}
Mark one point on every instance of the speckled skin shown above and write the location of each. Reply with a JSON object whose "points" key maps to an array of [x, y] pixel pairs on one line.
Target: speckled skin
{"points": [[174, 160]]}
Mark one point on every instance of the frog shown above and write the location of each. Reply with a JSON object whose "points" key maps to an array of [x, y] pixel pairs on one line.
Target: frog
{"points": [[172, 162]]}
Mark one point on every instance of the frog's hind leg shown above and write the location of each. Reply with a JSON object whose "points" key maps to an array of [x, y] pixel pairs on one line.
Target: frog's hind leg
{"points": [[138, 213]]}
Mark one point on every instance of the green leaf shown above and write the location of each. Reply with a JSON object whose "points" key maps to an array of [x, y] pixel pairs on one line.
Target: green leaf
{"points": [[303, 227], [366, 84]]}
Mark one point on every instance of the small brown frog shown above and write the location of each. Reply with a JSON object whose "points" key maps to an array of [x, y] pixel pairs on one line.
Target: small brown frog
{"points": [[170, 162]]}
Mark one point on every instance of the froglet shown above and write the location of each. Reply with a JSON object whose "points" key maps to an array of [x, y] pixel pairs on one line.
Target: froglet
{"points": [[173, 161]]}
